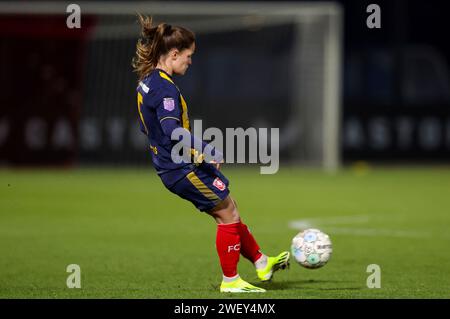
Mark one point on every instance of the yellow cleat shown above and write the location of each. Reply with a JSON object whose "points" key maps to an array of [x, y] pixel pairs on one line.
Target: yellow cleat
{"points": [[238, 286], [273, 264]]}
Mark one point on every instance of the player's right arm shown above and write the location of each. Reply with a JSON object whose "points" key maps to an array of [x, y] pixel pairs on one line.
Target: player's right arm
{"points": [[168, 112], [191, 141]]}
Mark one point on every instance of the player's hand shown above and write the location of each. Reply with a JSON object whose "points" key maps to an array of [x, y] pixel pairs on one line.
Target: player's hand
{"points": [[216, 164]]}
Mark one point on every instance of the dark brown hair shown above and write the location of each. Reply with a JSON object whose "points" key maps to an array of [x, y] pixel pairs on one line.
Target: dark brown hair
{"points": [[156, 41]]}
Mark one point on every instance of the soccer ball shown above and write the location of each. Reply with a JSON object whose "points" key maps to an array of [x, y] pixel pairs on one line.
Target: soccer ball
{"points": [[311, 248]]}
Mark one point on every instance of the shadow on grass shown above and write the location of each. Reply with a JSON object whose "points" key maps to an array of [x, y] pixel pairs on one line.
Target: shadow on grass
{"points": [[308, 285]]}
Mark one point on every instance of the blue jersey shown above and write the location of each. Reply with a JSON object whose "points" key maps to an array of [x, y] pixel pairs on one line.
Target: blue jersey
{"points": [[159, 99]]}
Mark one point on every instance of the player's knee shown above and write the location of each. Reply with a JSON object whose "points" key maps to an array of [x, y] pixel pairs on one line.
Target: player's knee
{"points": [[230, 216], [235, 204], [226, 212], [234, 213]]}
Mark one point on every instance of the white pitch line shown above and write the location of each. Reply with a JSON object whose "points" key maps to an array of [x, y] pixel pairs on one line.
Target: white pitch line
{"points": [[310, 222], [378, 232], [330, 225]]}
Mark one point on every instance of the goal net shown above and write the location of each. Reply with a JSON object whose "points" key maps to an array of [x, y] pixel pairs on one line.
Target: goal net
{"points": [[261, 65]]}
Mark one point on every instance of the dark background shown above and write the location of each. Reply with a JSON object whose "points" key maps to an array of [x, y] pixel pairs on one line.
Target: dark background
{"points": [[395, 92]]}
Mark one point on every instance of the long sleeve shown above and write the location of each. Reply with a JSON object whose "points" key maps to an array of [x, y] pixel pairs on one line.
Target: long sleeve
{"points": [[168, 125]]}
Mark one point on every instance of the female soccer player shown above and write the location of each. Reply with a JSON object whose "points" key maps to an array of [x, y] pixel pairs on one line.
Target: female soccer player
{"points": [[161, 52]]}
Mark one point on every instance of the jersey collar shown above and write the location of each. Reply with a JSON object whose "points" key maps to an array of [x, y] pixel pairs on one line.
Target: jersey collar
{"points": [[160, 70]]}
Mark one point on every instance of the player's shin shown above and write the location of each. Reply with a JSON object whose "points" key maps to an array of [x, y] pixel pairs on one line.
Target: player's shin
{"points": [[249, 247], [228, 248]]}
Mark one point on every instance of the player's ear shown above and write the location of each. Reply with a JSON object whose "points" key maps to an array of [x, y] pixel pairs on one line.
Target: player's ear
{"points": [[174, 53]]}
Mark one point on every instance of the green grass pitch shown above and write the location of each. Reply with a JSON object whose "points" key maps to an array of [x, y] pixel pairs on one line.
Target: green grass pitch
{"points": [[134, 239]]}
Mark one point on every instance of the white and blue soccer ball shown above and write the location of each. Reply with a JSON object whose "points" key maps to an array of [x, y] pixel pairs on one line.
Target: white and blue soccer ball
{"points": [[311, 248]]}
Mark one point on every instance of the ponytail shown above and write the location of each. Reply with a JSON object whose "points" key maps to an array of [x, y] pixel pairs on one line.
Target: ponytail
{"points": [[156, 41]]}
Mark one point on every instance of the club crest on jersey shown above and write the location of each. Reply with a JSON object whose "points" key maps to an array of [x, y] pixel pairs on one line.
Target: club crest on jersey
{"points": [[219, 184], [169, 104]]}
